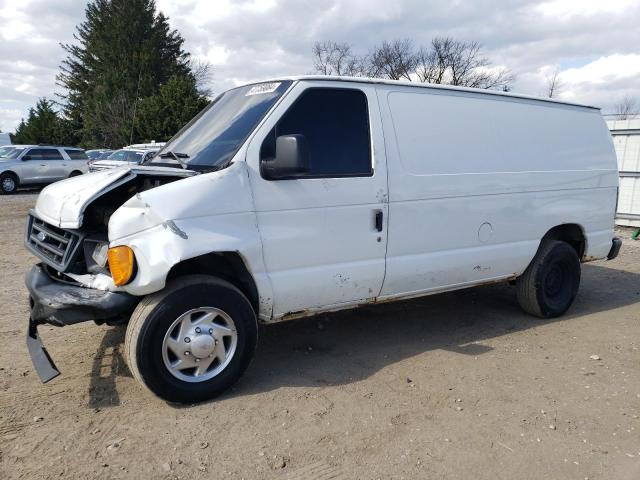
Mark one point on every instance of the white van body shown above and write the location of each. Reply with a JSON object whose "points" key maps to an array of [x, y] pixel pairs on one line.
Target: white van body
{"points": [[463, 186]]}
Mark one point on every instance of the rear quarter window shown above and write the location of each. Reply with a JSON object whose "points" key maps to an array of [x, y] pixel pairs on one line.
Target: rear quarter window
{"points": [[77, 154]]}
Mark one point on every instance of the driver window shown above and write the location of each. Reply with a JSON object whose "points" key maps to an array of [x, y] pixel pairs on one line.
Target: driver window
{"points": [[335, 124]]}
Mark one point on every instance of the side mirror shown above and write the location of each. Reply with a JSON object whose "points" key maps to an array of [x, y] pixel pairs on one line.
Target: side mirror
{"points": [[26, 157], [292, 158]]}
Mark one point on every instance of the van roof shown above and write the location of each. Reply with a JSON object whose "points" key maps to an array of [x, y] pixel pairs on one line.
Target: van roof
{"points": [[433, 86]]}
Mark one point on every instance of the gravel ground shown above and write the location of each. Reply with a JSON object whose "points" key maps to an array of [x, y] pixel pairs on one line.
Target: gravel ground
{"points": [[459, 385]]}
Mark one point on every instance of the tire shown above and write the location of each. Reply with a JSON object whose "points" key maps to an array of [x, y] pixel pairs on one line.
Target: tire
{"points": [[8, 183], [549, 285], [75, 173], [152, 338]]}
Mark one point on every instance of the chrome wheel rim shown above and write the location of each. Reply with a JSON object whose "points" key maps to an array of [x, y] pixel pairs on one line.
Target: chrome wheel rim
{"points": [[8, 185], [199, 344]]}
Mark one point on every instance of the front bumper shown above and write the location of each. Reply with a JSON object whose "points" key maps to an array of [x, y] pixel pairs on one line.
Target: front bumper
{"points": [[63, 304], [60, 304]]}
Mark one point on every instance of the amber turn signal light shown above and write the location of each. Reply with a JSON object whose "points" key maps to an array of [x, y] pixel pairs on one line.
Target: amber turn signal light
{"points": [[121, 264]]}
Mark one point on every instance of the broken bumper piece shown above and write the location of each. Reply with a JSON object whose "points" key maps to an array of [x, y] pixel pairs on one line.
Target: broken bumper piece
{"points": [[60, 304], [616, 243]]}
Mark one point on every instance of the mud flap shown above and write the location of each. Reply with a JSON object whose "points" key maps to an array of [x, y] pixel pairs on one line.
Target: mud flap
{"points": [[42, 362]]}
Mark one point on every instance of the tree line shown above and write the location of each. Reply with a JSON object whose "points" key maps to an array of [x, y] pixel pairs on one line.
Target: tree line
{"points": [[444, 61]]}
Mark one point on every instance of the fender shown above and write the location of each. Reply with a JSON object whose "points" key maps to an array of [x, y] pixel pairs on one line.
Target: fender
{"points": [[178, 221]]}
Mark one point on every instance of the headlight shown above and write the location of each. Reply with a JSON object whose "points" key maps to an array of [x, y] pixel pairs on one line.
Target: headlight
{"points": [[121, 264], [99, 254]]}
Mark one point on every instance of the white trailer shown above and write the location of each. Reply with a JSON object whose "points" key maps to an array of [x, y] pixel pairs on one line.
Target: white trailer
{"points": [[626, 139]]}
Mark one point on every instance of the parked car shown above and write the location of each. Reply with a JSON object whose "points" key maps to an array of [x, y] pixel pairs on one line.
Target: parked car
{"points": [[99, 154], [305, 195], [123, 157], [5, 139], [22, 165]]}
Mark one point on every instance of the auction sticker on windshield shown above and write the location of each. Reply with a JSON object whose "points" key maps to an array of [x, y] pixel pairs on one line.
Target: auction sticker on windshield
{"points": [[263, 88]]}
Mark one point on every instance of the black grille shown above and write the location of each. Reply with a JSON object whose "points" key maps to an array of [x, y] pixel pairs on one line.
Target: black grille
{"points": [[55, 246]]}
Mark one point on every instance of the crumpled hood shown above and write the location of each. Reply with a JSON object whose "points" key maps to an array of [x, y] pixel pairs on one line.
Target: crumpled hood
{"points": [[63, 203]]}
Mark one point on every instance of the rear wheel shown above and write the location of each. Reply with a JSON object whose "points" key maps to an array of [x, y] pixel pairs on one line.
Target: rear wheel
{"points": [[8, 183], [193, 340], [75, 173], [550, 283]]}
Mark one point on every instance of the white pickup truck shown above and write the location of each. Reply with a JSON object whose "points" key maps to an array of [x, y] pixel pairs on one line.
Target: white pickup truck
{"points": [[303, 195]]}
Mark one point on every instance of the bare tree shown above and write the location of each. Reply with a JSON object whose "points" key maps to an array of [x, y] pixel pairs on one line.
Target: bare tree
{"points": [[445, 61], [626, 108], [333, 58], [554, 84], [202, 74], [396, 60]]}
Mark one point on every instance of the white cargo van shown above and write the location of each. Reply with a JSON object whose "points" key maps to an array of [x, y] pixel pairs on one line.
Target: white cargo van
{"points": [[309, 194]]}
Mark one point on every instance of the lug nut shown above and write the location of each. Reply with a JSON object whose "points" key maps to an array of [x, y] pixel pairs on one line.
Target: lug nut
{"points": [[187, 340], [197, 359], [197, 329], [187, 353], [211, 331]]}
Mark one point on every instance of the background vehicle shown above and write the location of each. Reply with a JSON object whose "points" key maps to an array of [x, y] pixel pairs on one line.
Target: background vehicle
{"points": [[322, 194], [98, 154], [119, 158], [5, 139], [39, 165]]}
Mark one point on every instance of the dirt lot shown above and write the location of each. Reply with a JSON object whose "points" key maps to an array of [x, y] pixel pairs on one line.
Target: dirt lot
{"points": [[461, 385]]}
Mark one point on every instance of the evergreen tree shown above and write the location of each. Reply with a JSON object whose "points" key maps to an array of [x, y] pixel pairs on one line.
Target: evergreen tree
{"points": [[160, 116], [43, 125], [124, 52]]}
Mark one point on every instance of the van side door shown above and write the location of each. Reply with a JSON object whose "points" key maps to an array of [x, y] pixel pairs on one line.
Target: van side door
{"points": [[323, 231]]}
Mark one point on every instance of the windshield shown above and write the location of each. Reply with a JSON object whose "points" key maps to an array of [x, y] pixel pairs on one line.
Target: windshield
{"points": [[5, 150], [213, 137], [13, 152], [126, 156]]}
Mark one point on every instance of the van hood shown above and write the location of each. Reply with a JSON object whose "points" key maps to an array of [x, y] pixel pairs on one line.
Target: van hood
{"points": [[63, 203]]}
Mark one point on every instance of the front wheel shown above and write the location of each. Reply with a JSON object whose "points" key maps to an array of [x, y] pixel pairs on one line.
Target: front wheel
{"points": [[8, 183], [193, 340], [550, 283]]}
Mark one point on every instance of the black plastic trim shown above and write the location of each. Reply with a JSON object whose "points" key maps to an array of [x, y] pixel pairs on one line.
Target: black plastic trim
{"points": [[616, 244], [63, 304]]}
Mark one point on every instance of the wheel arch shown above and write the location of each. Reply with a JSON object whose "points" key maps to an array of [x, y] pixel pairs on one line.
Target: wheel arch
{"points": [[571, 233], [11, 172], [229, 266]]}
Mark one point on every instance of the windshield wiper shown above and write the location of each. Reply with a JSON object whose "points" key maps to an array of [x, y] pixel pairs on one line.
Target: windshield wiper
{"points": [[178, 158]]}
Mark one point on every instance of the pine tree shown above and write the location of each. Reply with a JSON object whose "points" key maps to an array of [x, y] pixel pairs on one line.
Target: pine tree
{"points": [[160, 116], [125, 51], [43, 125]]}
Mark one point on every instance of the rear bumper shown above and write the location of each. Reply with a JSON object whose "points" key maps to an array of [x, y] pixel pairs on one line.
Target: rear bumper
{"points": [[616, 243], [61, 304]]}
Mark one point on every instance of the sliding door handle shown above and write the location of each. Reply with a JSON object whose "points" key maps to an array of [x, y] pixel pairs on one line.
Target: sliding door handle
{"points": [[379, 219]]}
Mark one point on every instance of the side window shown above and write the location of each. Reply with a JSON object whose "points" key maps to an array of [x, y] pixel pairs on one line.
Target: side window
{"points": [[77, 154], [44, 154], [335, 124]]}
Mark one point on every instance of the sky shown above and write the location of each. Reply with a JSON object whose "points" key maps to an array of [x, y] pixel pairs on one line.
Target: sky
{"points": [[593, 44]]}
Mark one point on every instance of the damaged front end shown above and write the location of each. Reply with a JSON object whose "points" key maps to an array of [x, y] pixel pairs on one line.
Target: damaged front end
{"points": [[67, 231]]}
